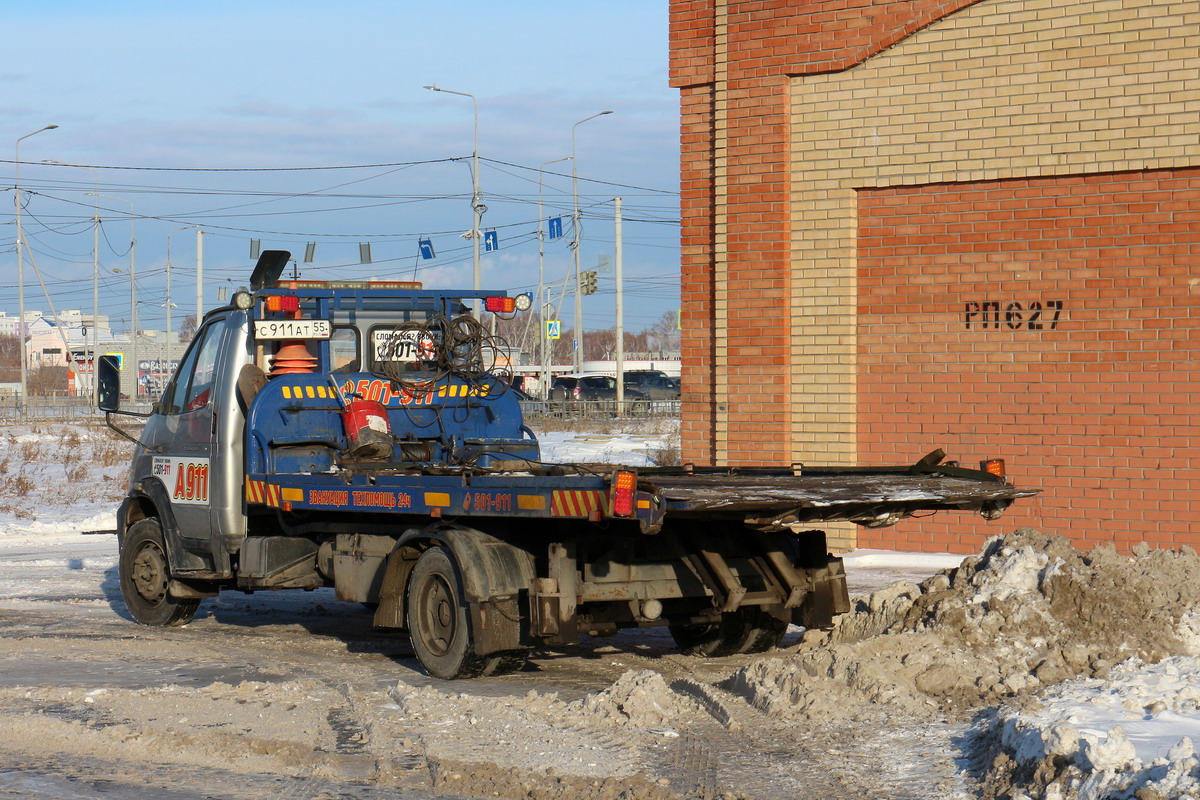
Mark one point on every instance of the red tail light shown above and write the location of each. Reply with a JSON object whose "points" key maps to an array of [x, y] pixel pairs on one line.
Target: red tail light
{"points": [[500, 305], [624, 493], [283, 302]]}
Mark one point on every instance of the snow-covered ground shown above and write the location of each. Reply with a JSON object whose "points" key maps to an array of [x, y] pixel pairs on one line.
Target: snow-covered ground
{"points": [[1126, 725]]}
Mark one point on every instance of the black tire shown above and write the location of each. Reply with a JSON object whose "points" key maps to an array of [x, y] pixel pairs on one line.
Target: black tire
{"points": [[751, 629], [145, 575], [438, 620]]}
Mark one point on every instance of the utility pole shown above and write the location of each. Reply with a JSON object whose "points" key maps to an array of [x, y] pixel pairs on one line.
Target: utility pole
{"points": [[199, 276], [542, 298], [477, 205], [619, 244], [21, 270], [95, 390], [95, 296], [575, 245]]}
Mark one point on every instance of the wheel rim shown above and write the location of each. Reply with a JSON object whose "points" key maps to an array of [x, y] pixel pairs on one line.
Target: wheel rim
{"points": [[437, 617], [149, 573]]}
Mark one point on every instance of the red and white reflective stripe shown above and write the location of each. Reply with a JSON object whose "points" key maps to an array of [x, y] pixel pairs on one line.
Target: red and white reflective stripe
{"points": [[570, 503], [262, 493]]}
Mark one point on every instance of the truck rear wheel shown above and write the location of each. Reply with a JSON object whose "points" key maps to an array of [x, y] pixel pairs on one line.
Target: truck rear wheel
{"points": [[750, 629], [439, 622], [145, 578]]}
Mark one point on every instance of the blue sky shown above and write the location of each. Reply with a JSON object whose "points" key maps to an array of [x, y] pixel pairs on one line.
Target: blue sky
{"points": [[234, 87]]}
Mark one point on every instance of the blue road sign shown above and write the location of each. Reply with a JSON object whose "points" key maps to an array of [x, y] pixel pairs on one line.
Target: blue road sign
{"points": [[491, 241], [426, 248], [553, 329], [554, 225]]}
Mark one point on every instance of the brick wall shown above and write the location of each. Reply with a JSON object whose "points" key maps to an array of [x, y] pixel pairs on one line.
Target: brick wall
{"points": [[812, 106], [730, 59], [1054, 322]]}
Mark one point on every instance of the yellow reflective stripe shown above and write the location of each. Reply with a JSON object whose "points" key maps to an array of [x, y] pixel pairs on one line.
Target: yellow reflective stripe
{"points": [[531, 502]]}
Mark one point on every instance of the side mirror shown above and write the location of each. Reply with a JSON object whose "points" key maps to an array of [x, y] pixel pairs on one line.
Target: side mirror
{"points": [[108, 380]]}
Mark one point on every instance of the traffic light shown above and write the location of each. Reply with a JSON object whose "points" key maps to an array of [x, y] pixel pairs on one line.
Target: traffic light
{"points": [[587, 282]]}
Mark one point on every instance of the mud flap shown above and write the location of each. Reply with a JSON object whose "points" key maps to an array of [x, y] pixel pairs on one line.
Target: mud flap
{"points": [[829, 596], [492, 634]]}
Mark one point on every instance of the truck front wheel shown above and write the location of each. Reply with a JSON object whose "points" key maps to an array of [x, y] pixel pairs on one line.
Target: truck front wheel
{"points": [[145, 576], [750, 629], [438, 619]]}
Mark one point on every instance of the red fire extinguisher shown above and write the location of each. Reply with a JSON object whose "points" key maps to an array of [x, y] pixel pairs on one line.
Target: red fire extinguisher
{"points": [[367, 429]]}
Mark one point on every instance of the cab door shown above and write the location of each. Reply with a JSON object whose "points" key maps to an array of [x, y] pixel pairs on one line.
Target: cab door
{"points": [[185, 436]]}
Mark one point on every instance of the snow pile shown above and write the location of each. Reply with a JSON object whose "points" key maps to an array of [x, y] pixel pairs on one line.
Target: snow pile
{"points": [[1027, 612], [55, 473], [632, 441], [1132, 734], [639, 699], [597, 735]]}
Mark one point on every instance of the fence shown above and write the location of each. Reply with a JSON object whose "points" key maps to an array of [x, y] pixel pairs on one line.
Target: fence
{"points": [[10, 407], [607, 408]]}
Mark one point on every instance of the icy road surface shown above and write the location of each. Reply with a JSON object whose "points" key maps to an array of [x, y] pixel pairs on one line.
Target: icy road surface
{"points": [[293, 695]]}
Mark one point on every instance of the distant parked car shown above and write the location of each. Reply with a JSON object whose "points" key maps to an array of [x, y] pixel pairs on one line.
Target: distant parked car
{"points": [[655, 383], [659, 388], [584, 386], [636, 377]]}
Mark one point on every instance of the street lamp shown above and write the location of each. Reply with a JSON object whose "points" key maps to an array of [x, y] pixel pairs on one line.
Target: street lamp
{"points": [[132, 291], [476, 201], [575, 244], [169, 235], [95, 270], [542, 304], [21, 269]]}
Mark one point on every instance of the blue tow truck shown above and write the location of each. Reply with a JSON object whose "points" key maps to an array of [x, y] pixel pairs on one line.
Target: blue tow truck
{"points": [[357, 435]]}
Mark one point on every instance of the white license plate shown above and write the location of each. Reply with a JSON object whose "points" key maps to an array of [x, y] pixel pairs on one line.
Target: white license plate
{"points": [[402, 346], [291, 329]]}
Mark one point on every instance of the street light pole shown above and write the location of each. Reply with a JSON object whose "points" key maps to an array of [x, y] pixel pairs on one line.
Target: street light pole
{"points": [[21, 270], [168, 337], [477, 205], [542, 303], [575, 245], [95, 392], [199, 277]]}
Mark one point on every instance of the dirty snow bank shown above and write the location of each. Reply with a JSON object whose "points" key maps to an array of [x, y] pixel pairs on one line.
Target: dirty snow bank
{"points": [[592, 747], [57, 478], [1028, 611], [1131, 735], [579, 737]]}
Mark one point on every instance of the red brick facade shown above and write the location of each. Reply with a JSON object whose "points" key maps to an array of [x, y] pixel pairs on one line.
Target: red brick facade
{"points": [[731, 61], [966, 224], [1055, 322]]}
